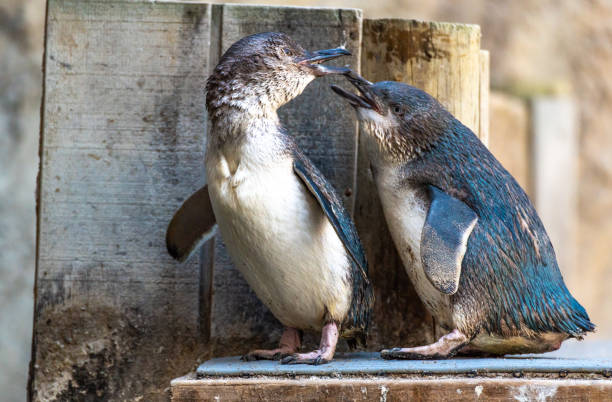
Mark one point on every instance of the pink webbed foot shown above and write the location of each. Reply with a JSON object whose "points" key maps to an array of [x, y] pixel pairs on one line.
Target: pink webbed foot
{"points": [[444, 348], [325, 353], [289, 343]]}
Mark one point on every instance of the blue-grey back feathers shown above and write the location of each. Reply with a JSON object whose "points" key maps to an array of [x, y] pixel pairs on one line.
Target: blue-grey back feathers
{"points": [[509, 272]]}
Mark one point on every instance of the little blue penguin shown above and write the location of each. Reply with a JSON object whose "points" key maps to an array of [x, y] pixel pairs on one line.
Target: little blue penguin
{"points": [[282, 222], [468, 236]]}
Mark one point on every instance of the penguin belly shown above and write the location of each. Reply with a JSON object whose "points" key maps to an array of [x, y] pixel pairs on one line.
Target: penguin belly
{"points": [[282, 243], [405, 210]]}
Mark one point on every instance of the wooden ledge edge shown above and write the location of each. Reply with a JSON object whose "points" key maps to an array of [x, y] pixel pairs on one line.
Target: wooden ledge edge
{"points": [[189, 388]]}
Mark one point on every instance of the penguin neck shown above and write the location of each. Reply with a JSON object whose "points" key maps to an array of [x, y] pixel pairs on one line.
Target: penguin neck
{"points": [[386, 146], [235, 122], [396, 142], [255, 139]]}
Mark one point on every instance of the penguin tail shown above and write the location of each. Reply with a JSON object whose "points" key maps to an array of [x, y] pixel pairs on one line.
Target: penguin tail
{"points": [[577, 323]]}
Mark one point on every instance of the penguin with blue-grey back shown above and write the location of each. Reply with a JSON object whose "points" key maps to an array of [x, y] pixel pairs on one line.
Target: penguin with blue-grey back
{"points": [[468, 235]]}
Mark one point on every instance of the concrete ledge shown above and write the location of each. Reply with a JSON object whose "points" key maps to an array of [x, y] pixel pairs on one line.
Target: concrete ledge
{"points": [[363, 363], [365, 376]]}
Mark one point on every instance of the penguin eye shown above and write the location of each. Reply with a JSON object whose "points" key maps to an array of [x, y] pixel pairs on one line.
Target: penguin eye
{"points": [[397, 109]]}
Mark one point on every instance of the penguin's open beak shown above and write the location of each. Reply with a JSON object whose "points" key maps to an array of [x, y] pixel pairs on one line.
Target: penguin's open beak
{"points": [[366, 98], [313, 60]]}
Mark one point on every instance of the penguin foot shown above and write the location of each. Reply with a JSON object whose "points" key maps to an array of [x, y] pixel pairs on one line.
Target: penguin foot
{"points": [[315, 357], [266, 354], [470, 351], [444, 348], [290, 342], [325, 353]]}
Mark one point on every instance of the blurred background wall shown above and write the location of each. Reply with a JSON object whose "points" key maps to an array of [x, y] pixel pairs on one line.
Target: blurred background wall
{"points": [[537, 47], [21, 44]]}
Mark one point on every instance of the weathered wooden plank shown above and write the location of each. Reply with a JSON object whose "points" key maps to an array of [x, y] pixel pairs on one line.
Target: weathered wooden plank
{"points": [[390, 389], [444, 60], [555, 181], [325, 128], [123, 138]]}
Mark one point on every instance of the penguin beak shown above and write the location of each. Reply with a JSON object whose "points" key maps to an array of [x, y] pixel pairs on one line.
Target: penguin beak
{"points": [[313, 60], [366, 98]]}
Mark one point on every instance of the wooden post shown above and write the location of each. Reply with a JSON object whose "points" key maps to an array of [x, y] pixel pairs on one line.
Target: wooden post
{"points": [[443, 59]]}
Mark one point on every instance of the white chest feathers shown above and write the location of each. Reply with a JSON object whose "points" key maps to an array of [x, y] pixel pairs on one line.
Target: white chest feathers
{"points": [[405, 210], [279, 237]]}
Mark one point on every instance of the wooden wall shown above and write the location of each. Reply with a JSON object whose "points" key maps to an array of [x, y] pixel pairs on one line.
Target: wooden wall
{"points": [[122, 145]]}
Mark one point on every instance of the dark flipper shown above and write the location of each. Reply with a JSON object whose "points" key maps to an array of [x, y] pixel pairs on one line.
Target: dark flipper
{"points": [[336, 214], [357, 321], [191, 226], [444, 238]]}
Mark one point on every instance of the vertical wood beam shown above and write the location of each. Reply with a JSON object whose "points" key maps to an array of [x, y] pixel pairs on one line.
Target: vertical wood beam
{"points": [[122, 144]]}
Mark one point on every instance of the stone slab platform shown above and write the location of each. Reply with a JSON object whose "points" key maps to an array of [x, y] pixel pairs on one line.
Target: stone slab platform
{"points": [[365, 376], [364, 363]]}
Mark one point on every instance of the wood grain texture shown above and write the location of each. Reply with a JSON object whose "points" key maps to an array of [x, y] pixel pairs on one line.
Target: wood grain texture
{"points": [[443, 59], [390, 389], [123, 138], [325, 129]]}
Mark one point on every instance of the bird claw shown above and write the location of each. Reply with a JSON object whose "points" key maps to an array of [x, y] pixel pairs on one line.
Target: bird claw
{"points": [[263, 355], [248, 357], [297, 359], [288, 359], [445, 348], [408, 354]]}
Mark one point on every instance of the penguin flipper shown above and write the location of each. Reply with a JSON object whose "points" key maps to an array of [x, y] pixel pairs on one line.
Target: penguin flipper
{"points": [[337, 216], [356, 323], [191, 226], [444, 238]]}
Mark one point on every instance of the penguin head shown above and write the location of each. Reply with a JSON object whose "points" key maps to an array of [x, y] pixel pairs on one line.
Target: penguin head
{"points": [[265, 71], [404, 121]]}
